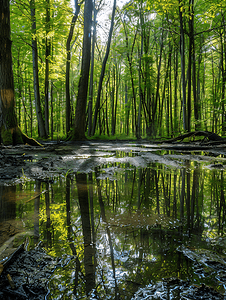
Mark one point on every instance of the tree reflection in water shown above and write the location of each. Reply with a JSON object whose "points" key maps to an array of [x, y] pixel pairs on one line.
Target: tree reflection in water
{"points": [[124, 225], [83, 199]]}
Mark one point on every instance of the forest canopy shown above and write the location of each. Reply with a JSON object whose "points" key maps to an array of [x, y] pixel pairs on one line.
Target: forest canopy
{"points": [[153, 68]]}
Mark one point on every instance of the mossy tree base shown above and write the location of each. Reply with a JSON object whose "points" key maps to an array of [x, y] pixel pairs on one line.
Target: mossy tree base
{"points": [[14, 136], [76, 135]]}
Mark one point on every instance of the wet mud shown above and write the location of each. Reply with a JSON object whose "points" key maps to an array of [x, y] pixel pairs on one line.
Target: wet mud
{"points": [[60, 158], [25, 274]]}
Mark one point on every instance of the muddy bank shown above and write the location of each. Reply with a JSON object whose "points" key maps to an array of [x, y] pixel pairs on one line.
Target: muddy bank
{"points": [[55, 159]]}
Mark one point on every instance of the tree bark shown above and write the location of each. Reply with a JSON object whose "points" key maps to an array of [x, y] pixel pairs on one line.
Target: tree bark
{"points": [[129, 58], [182, 50], [10, 132], [80, 113], [41, 125], [68, 65], [90, 107], [140, 55], [47, 57], [103, 69], [223, 71]]}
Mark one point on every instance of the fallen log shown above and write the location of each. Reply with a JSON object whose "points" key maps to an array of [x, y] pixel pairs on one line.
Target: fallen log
{"points": [[192, 134]]}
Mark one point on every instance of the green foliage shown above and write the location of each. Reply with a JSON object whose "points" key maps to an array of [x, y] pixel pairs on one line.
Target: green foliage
{"points": [[144, 63], [112, 137]]}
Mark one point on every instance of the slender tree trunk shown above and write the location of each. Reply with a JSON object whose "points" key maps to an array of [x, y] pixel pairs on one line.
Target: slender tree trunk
{"points": [[103, 69], [190, 57], [223, 71], [107, 126], [116, 96], [19, 79], [182, 50], [68, 64], [41, 126], [154, 106], [224, 77], [80, 113], [175, 92], [129, 58], [90, 107], [198, 91], [160, 117], [31, 109], [170, 90], [138, 133], [47, 57], [127, 107], [113, 101], [51, 103]]}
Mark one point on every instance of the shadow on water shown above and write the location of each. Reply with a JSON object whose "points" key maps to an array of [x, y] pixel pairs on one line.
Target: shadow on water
{"points": [[127, 227]]}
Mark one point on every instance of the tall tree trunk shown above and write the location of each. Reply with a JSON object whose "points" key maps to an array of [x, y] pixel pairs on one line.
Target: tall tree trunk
{"points": [[103, 69], [155, 102], [175, 92], [116, 96], [9, 130], [127, 110], [41, 125], [107, 89], [198, 90], [80, 113], [129, 58], [113, 101], [31, 108], [197, 108], [90, 107], [182, 50], [188, 109], [138, 133], [47, 57], [223, 70], [68, 64], [19, 84]]}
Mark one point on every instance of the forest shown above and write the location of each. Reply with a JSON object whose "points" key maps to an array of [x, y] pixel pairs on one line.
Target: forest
{"points": [[105, 210], [99, 68]]}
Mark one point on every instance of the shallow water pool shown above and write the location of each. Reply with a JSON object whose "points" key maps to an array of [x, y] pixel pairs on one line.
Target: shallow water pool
{"points": [[130, 216]]}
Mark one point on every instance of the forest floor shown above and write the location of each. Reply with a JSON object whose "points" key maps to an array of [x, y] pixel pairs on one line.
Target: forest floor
{"points": [[54, 159]]}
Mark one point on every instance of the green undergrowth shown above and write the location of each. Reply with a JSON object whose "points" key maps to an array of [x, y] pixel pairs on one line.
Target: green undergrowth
{"points": [[112, 137]]}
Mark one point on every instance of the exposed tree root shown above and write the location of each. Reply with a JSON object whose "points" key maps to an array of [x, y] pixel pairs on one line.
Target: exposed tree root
{"points": [[30, 141]]}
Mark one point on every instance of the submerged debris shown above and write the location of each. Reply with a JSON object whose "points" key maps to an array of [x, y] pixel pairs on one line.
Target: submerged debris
{"points": [[26, 274], [176, 289], [205, 263]]}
